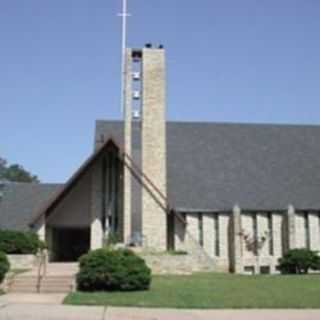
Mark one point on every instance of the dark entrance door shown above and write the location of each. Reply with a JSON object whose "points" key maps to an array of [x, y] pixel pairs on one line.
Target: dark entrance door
{"points": [[70, 244]]}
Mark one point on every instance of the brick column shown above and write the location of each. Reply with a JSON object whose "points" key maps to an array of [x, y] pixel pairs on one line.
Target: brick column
{"points": [[291, 228], [237, 240], [154, 147], [96, 235], [127, 176]]}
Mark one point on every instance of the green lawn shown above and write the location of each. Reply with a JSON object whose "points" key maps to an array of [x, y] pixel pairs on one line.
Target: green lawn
{"points": [[214, 291]]}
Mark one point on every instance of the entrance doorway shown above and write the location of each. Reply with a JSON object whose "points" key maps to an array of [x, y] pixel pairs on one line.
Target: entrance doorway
{"points": [[68, 244]]}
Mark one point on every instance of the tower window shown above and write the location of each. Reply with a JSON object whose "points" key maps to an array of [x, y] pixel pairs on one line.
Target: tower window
{"points": [[136, 55]]}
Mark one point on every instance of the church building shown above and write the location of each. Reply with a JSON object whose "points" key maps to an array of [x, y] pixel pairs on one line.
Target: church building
{"points": [[238, 195]]}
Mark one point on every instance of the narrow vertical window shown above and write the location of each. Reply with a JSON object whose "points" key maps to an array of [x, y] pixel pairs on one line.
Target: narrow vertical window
{"points": [[200, 226], [270, 234], [255, 233], [306, 230], [216, 235]]}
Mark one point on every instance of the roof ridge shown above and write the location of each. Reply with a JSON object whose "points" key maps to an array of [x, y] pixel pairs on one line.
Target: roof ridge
{"points": [[231, 123]]}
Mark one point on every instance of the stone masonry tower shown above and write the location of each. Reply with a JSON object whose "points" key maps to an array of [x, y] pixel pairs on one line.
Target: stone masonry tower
{"points": [[145, 215]]}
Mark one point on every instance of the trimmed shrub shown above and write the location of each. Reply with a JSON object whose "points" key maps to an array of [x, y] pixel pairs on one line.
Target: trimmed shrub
{"points": [[113, 270], [18, 242], [299, 261], [4, 265]]}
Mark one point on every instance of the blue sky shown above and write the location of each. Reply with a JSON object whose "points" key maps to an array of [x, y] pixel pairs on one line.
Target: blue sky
{"points": [[228, 60]]}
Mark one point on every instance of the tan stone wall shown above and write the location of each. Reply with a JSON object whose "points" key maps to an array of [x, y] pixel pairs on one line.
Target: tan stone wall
{"points": [[314, 227], [127, 177], [187, 238], [209, 234], [192, 225], [174, 264], [262, 220], [277, 223], [22, 261], [154, 147], [222, 262], [96, 235], [247, 228], [300, 230], [250, 262], [264, 258]]}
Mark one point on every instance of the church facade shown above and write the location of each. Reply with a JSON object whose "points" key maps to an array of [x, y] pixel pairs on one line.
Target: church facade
{"points": [[240, 195]]}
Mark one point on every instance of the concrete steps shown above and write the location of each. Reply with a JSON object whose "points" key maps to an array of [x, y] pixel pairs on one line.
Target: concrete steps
{"points": [[59, 278], [56, 284], [48, 284], [23, 285]]}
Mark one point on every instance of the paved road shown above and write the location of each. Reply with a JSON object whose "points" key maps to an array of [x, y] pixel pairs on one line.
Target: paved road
{"points": [[59, 312]]}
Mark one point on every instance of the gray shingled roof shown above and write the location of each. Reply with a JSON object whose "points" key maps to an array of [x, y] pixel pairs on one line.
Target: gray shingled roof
{"points": [[19, 201], [213, 166]]}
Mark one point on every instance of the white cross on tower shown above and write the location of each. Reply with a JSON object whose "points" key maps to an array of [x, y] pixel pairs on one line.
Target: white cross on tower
{"points": [[124, 16]]}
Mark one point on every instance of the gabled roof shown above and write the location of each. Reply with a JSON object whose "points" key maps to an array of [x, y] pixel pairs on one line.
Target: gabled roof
{"points": [[60, 194], [19, 200], [213, 166]]}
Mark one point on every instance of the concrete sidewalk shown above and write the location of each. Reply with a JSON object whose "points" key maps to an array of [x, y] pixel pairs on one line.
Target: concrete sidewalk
{"points": [[60, 312], [48, 307], [32, 298]]}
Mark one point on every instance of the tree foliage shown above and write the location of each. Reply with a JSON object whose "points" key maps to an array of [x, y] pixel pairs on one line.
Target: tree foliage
{"points": [[20, 242], [15, 172]]}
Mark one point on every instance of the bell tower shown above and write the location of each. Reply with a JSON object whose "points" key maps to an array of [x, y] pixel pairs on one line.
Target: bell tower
{"points": [[145, 215]]}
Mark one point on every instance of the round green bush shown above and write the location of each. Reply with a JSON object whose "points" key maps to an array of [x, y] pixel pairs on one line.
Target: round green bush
{"points": [[299, 261], [4, 265], [113, 270], [19, 242]]}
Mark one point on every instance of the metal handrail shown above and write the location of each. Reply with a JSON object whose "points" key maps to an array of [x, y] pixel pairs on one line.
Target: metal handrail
{"points": [[42, 267]]}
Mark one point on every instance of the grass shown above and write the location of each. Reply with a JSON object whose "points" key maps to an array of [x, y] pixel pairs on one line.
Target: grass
{"points": [[204, 290]]}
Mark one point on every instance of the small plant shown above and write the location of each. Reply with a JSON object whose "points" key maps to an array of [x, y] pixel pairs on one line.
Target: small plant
{"points": [[254, 243], [111, 239], [113, 270], [178, 252], [299, 261], [4, 265]]}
